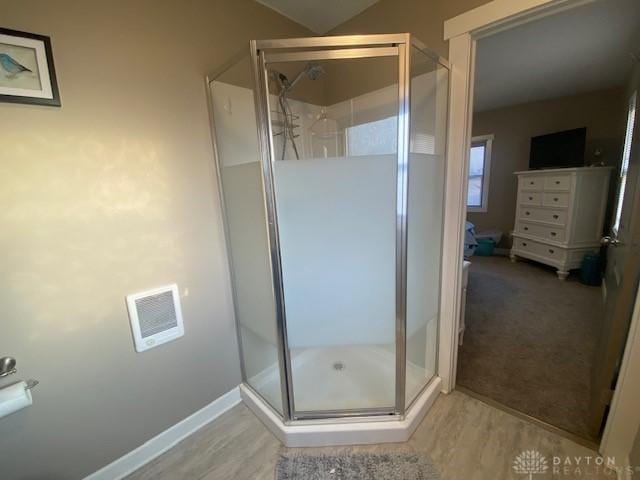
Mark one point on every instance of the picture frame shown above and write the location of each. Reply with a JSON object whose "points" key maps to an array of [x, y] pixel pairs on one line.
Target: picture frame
{"points": [[27, 72]]}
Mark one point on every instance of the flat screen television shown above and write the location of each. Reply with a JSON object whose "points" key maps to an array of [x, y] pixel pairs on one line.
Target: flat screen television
{"points": [[558, 150]]}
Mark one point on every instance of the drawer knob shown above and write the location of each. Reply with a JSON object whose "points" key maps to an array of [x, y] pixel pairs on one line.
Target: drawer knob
{"points": [[524, 244], [531, 183], [555, 216], [551, 250], [557, 182], [526, 228], [527, 213], [555, 199], [553, 234]]}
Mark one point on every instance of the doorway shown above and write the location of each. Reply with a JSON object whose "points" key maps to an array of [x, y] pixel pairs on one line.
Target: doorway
{"points": [[535, 338]]}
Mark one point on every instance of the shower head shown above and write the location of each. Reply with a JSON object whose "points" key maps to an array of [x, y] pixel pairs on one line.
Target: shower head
{"points": [[312, 70]]}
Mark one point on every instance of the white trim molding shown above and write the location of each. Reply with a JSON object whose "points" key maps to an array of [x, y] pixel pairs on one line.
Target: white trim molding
{"points": [[458, 142], [624, 417], [162, 442], [495, 14]]}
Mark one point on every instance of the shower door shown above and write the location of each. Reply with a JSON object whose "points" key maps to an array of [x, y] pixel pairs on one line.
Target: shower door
{"points": [[335, 171], [356, 291]]}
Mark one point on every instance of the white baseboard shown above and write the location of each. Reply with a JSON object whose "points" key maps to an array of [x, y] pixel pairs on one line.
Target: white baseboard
{"points": [[159, 444]]}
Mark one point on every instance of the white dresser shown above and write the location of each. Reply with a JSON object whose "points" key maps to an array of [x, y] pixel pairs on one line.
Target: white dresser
{"points": [[559, 215]]}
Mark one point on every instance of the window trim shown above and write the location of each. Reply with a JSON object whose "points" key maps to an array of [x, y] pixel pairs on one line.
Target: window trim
{"points": [[486, 175]]}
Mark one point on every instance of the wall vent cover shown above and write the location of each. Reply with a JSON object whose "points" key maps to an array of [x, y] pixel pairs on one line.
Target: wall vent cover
{"points": [[155, 316]]}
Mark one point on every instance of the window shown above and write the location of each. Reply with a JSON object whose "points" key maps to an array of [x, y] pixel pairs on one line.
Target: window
{"points": [[624, 166], [479, 169], [373, 138]]}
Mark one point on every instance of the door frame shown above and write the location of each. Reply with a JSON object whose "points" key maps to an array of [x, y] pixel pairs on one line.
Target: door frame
{"points": [[622, 422], [462, 32]]}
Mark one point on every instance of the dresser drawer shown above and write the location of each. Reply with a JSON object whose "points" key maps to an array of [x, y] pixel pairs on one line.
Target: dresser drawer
{"points": [[555, 199], [556, 234], [530, 183], [557, 182], [523, 245], [548, 215], [530, 198]]}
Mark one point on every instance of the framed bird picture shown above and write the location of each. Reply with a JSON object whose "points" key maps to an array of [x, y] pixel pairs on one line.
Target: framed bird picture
{"points": [[27, 74]]}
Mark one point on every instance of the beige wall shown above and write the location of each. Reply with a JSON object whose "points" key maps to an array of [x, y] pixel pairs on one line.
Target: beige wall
{"points": [[114, 193], [602, 112], [111, 194], [423, 18]]}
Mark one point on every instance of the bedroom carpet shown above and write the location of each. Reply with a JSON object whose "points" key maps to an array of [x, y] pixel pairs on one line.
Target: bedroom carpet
{"points": [[530, 339]]}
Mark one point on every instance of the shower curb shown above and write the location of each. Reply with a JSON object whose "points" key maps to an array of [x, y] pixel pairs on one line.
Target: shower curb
{"points": [[354, 431]]}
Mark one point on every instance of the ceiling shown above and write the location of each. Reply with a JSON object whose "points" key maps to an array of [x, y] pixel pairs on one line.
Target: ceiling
{"points": [[318, 16], [579, 50]]}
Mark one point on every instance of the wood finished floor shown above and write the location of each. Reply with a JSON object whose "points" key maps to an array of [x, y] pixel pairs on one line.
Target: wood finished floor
{"points": [[465, 438]]}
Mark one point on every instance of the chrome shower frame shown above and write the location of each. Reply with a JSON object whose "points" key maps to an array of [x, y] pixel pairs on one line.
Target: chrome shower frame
{"points": [[261, 53], [264, 52]]}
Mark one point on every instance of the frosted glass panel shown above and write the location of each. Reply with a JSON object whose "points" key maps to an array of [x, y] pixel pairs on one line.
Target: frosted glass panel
{"points": [[335, 178], [237, 146], [429, 85], [338, 253], [373, 138]]}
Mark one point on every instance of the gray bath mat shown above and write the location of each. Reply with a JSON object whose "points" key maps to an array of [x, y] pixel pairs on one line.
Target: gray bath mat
{"points": [[357, 466]]}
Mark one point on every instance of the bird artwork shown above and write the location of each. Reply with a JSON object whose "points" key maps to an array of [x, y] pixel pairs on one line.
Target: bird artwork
{"points": [[11, 66]]}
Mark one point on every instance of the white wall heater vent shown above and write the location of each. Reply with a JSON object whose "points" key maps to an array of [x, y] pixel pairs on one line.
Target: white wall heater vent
{"points": [[155, 316]]}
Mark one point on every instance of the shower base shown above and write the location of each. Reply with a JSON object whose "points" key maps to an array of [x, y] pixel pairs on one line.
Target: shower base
{"points": [[342, 378]]}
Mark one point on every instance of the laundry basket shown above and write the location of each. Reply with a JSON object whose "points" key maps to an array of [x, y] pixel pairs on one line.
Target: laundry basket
{"points": [[485, 247]]}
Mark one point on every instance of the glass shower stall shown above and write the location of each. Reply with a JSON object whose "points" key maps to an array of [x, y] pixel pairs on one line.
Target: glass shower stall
{"points": [[331, 163]]}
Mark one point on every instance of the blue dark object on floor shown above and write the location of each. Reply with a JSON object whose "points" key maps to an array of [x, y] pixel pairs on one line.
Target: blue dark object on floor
{"points": [[591, 270], [485, 247]]}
